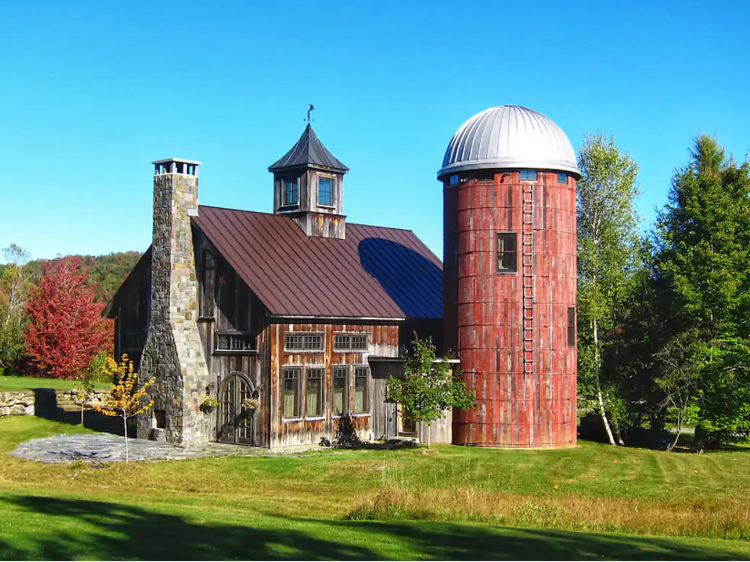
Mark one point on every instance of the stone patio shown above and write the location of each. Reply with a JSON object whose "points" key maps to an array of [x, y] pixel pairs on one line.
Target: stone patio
{"points": [[104, 447]]}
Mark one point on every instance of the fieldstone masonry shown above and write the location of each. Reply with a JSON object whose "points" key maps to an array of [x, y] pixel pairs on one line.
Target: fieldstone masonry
{"points": [[18, 403], [44, 401], [173, 352]]}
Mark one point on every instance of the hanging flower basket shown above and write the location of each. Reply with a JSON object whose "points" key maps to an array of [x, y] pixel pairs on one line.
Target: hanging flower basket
{"points": [[251, 404], [209, 404]]}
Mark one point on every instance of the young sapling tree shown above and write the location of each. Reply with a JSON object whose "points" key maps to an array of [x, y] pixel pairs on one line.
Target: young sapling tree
{"points": [[429, 387]]}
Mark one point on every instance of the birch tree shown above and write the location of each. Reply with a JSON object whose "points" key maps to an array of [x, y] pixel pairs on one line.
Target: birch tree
{"points": [[14, 287], [608, 255]]}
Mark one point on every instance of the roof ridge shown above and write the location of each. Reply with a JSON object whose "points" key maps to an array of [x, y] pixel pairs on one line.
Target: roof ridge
{"points": [[277, 215]]}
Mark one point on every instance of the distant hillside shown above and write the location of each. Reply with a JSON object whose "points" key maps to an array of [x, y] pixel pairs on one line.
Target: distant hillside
{"points": [[106, 272]]}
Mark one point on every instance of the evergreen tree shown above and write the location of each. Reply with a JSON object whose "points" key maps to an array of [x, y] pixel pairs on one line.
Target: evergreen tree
{"points": [[703, 261]]}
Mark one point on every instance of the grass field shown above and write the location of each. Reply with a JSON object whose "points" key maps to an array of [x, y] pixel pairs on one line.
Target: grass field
{"points": [[30, 383], [584, 503]]}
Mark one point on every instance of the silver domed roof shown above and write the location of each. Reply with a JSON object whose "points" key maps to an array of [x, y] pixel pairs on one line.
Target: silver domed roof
{"points": [[509, 136]]}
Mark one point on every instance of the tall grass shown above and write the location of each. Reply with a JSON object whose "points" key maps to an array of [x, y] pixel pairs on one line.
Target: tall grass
{"points": [[690, 518]]}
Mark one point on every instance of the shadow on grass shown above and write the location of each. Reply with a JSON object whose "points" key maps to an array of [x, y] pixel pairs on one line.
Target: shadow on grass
{"points": [[95, 530], [46, 407]]}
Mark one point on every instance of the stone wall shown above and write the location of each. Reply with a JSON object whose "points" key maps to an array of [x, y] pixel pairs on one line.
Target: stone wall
{"points": [[173, 352], [30, 402], [18, 403]]}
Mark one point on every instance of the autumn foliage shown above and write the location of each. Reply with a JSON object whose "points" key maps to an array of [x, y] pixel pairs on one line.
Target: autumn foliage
{"points": [[126, 399], [65, 329]]}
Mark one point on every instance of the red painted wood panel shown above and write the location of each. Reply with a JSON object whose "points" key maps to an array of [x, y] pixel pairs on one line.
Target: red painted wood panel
{"points": [[484, 317]]}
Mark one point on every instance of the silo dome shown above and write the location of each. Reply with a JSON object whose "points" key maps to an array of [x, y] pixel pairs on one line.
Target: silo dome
{"points": [[509, 136]]}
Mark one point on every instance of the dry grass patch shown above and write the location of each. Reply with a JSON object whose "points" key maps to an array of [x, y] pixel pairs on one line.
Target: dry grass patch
{"points": [[708, 518]]}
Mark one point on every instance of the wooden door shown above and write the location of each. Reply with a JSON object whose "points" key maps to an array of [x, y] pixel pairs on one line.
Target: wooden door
{"points": [[407, 426], [236, 423]]}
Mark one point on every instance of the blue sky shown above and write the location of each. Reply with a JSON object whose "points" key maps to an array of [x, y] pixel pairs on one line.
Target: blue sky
{"points": [[92, 92]]}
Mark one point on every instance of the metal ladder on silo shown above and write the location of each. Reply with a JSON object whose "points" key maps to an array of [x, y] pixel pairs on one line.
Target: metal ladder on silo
{"points": [[527, 275]]}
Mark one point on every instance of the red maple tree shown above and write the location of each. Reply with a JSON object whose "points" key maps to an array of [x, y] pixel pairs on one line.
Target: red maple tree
{"points": [[66, 329]]}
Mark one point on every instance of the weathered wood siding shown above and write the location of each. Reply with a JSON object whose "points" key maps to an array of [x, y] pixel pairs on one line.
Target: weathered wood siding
{"points": [[131, 310], [510, 328], [236, 310], [383, 340]]}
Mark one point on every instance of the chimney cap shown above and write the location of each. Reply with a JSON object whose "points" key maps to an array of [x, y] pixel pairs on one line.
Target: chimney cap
{"points": [[184, 161]]}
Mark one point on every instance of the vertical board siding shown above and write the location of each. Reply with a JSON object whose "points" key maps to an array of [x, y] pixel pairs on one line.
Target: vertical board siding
{"points": [[383, 340]]}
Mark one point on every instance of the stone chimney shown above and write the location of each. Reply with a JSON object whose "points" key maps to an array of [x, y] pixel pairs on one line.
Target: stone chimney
{"points": [[173, 352]]}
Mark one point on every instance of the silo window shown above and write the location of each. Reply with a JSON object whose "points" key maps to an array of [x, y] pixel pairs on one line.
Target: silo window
{"points": [[571, 326], [562, 178], [528, 175], [454, 179], [507, 252], [291, 192]]}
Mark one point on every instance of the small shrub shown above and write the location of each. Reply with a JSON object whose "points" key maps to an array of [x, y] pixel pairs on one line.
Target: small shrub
{"points": [[346, 434], [97, 370]]}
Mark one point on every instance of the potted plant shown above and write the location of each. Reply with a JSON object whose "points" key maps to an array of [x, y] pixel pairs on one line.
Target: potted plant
{"points": [[209, 404], [249, 405]]}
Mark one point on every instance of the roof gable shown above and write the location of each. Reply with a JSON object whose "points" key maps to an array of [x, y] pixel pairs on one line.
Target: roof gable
{"points": [[375, 272], [308, 151]]}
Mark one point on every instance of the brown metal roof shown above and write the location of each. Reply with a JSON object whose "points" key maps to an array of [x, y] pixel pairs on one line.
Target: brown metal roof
{"points": [[376, 272]]}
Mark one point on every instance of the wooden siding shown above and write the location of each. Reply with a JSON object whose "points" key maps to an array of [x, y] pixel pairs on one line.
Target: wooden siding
{"points": [[383, 340], [486, 313], [131, 309], [236, 310]]}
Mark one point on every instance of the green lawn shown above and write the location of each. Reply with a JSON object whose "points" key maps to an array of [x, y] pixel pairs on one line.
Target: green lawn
{"points": [[453, 502], [29, 383]]}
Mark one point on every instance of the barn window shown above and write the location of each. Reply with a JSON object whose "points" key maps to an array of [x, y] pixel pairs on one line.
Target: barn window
{"points": [[361, 385], [208, 285], [507, 252], [314, 393], [350, 342], [303, 342], [562, 178], [325, 191], [571, 326], [340, 390], [291, 192], [528, 175], [236, 342], [290, 403]]}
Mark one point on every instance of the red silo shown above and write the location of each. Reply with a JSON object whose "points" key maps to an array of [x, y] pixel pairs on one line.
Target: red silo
{"points": [[509, 277]]}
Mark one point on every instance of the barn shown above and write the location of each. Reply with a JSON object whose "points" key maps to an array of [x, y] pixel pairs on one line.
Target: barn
{"points": [[277, 316], [292, 319]]}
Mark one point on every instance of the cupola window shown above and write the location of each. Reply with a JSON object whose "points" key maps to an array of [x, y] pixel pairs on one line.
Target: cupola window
{"points": [[325, 191], [291, 192], [528, 175], [562, 178]]}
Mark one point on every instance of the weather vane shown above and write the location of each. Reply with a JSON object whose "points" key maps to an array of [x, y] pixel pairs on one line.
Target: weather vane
{"points": [[308, 113]]}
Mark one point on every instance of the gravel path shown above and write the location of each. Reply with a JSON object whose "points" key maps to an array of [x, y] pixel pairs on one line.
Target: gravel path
{"points": [[104, 447]]}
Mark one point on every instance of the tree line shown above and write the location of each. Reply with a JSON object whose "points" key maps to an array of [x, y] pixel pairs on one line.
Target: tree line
{"points": [[664, 317], [50, 311]]}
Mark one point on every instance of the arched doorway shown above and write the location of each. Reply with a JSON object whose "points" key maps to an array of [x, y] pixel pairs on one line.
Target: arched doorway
{"points": [[236, 423]]}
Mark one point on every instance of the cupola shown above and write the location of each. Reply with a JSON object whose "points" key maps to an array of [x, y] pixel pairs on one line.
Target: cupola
{"points": [[308, 186]]}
